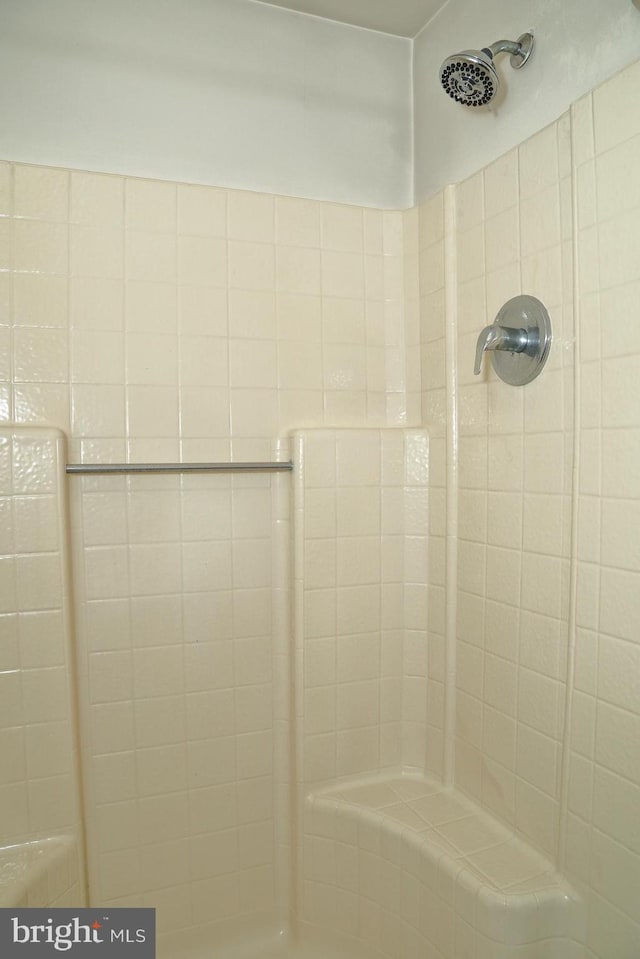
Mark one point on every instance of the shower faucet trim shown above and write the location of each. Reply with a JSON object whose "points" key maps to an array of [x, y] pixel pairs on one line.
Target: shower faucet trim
{"points": [[519, 340]]}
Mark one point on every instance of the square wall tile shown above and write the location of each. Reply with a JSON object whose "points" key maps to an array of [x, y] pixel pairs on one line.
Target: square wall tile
{"points": [[251, 216], [97, 199], [40, 193], [202, 211], [150, 205], [40, 247]]}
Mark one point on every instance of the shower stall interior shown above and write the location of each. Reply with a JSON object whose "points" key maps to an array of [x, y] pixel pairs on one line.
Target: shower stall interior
{"points": [[373, 854], [318, 626]]}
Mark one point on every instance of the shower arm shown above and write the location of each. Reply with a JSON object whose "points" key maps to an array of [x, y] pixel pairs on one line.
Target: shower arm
{"points": [[504, 46], [519, 49]]}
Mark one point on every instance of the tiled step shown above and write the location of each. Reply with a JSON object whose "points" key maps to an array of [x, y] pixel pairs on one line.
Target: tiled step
{"points": [[402, 859], [40, 874]]}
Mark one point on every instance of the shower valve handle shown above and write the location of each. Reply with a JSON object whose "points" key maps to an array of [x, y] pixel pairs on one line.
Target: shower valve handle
{"points": [[519, 340], [497, 337]]}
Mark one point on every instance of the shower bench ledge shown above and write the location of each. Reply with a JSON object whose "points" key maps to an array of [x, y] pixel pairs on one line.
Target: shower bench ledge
{"points": [[417, 844], [40, 873]]}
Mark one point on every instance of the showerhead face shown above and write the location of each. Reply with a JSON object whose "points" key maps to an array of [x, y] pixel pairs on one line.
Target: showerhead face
{"points": [[470, 77]]}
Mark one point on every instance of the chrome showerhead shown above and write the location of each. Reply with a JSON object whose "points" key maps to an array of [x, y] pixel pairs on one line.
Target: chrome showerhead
{"points": [[471, 78]]}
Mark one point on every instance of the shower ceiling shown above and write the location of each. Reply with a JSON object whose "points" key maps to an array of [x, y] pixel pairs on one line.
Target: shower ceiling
{"points": [[402, 17]]}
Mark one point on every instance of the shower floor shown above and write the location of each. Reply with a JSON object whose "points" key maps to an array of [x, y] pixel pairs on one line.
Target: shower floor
{"points": [[268, 945], [286, 951]]}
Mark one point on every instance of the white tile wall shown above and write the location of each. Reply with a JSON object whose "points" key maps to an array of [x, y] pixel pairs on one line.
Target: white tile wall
{"points": [[159, 321], [514, 514], [196, 312], [518, 542], [601, 849], [360, 533], [430, 240], [39, 784]]}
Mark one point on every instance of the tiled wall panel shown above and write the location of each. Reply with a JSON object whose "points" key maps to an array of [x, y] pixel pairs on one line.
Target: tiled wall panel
{"points": [[39, 784], [514, 229], [360, 599], [158, 321], [547, 557], [430, 242], [604, 782], [149, 314]]}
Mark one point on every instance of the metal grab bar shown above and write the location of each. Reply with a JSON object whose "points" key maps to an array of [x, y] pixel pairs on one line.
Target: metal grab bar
{"points": [[93, 468]]}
